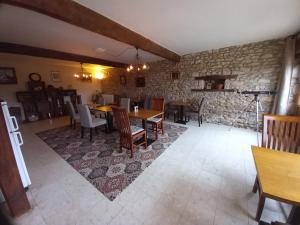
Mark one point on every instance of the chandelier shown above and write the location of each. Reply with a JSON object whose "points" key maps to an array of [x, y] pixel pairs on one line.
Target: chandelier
{"points": [[138, 66], [84, 76]]}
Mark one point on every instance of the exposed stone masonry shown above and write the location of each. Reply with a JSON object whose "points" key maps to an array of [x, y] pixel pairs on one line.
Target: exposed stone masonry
{"points": [[257, 66]]}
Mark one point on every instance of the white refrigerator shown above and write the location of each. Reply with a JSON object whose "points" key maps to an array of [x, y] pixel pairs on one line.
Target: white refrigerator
{"points": [[16, 143]]}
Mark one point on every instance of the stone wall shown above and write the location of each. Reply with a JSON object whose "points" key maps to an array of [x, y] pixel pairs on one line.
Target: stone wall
{"points": [[295, 89], [257, 66]]}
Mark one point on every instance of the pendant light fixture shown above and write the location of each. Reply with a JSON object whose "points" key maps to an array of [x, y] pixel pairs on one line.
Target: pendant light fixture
{"points": [[84, 76], [137, 66]]}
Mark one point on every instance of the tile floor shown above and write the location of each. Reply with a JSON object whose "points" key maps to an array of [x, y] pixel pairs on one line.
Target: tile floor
{"points": [[205, 177]]}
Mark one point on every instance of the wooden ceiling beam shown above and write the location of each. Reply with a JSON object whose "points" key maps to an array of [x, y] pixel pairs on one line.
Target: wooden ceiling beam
{"points": [[76, 14], [48, 53]]}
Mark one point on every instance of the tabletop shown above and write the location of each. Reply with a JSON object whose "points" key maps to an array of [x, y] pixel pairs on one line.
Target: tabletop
{"points": [[279, 174], [105, 108], [145, 114]]}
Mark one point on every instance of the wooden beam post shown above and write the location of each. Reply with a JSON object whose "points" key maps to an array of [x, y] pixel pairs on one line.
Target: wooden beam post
{"points": [[76, 14], [48, 53]]}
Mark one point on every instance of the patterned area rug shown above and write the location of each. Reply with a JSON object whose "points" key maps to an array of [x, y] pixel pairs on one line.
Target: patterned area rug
{"points": [[100, 162]]}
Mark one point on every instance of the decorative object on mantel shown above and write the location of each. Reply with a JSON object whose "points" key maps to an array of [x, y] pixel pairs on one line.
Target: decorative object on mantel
{"points": [[213, 83], [8, 75], [137, 66], [55, 76], [82, 75], [34, 77], [35, 84]]}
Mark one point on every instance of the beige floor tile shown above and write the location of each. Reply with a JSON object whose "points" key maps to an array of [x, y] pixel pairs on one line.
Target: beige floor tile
{"points": [[204, 177]]}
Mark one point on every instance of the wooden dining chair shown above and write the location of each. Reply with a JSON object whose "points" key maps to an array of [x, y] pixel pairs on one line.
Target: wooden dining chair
{"points": [[130, 136], [158, 104], [280, 133], [198, 111]]}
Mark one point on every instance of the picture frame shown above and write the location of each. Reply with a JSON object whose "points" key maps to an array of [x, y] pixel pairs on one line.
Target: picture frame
{"points": [[8, 75], [140, 82], [55, 76], [123, 80]]}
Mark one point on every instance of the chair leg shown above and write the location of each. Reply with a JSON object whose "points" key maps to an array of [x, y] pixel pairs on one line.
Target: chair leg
{"points": [[82, 132], [255, 186], [74, 124], [71, 122], [91, 134], [260, 207], [131, 150], [156, 131], [96, 130], [145, 138], [199, 121], [162, 127]]}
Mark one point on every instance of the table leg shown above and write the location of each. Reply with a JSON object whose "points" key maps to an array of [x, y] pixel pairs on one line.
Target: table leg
{"points": [[144, 124], [149, 140], [294, 217], [181, 115], [261, 204], [109, 120], [181, 112]]}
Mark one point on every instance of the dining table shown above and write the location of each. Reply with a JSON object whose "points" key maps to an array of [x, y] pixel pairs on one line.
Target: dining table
{"points": [[181, 105], [279, 178], [144, 115]]}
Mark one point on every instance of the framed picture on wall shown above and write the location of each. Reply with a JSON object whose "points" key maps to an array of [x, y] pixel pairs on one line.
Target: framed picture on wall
{"points": [[140, 82], [122, 79], [8, 75], [55, 76]]}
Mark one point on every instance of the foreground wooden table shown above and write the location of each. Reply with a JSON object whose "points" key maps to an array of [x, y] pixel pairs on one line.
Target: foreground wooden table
{"points": [[279, 176]]}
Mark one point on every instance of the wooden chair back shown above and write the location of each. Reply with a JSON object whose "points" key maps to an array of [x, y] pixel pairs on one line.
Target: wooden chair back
{"points": [[125, 103], [158, 104], [122, 121], [281, 133]]}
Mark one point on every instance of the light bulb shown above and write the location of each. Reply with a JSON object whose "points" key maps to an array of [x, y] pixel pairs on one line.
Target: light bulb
{"points": [[144, 66], [138, 69], [130, 67]]}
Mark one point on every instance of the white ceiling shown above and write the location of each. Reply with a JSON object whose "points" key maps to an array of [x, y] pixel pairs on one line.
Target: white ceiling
{"points": [[181, 26], [22, 26]]}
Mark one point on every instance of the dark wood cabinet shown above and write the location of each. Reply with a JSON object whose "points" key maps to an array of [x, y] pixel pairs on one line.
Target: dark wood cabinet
{"points": [[48, 103]]}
